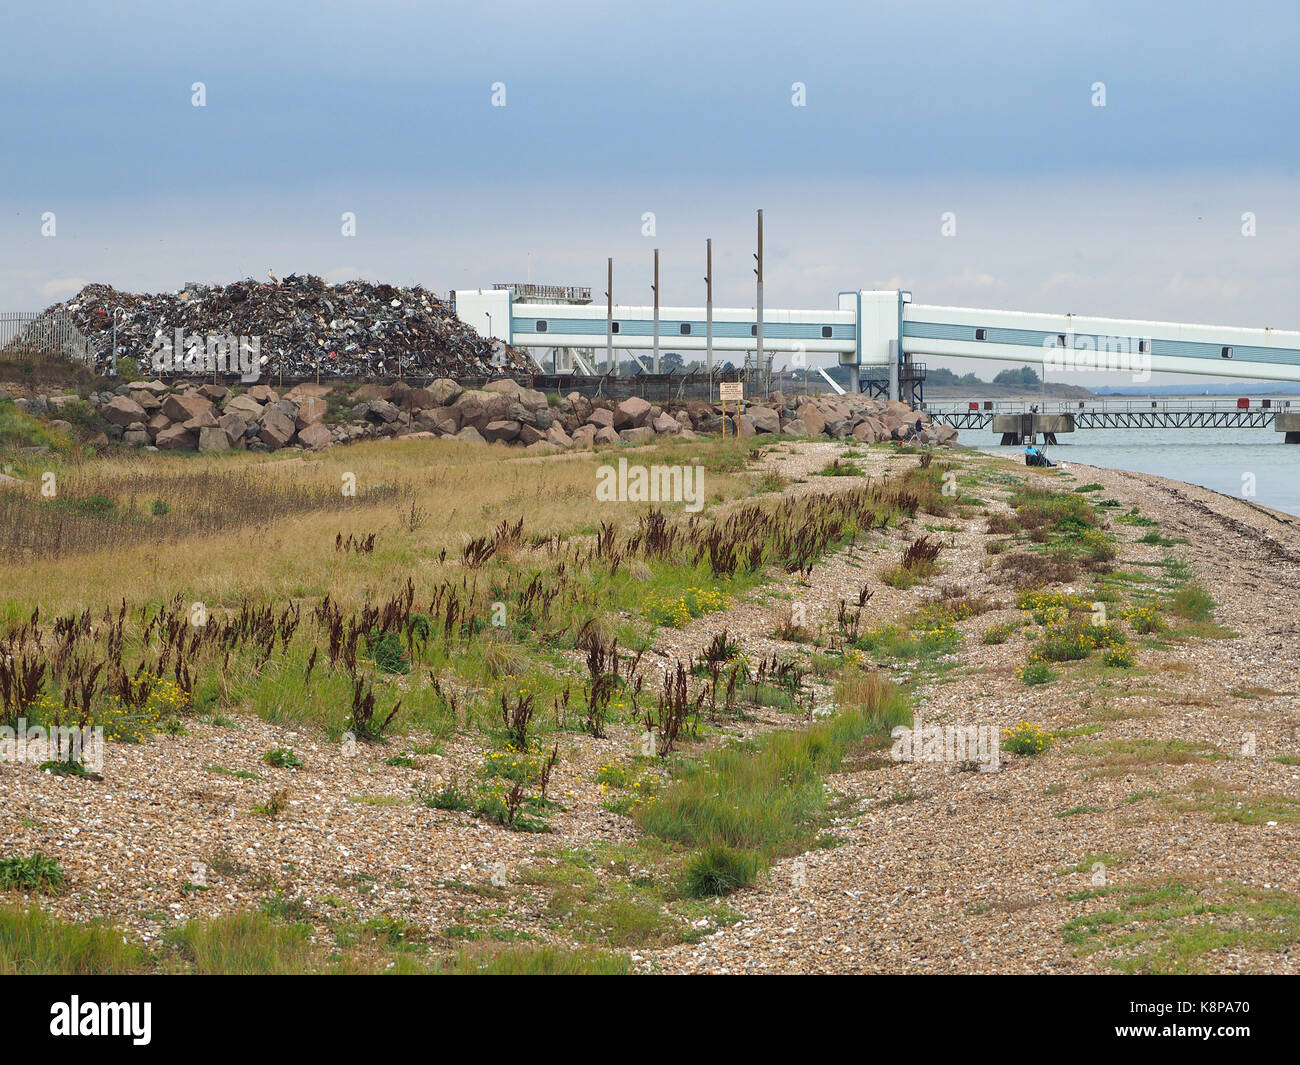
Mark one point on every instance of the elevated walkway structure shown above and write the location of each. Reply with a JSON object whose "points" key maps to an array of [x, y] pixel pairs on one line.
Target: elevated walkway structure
{"points": [[883, 336]]}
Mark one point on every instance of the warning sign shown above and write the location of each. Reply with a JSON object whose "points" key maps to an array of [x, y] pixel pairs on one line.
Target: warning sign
{"points": [[731, 390]]}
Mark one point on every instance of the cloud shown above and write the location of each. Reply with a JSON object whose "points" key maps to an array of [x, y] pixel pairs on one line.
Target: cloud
{"points": [[972, 278], [1067, 280], [1195, 289], [59, 287]]}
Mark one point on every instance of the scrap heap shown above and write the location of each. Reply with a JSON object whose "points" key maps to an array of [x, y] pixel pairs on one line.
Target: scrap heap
{"points": [[304, 326]]}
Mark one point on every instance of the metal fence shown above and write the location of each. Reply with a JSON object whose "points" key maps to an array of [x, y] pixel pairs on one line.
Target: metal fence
{"points": [[33, 334]]}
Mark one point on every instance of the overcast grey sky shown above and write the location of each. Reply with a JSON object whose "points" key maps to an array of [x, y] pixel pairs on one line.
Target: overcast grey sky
{"points": [[385, 109]]}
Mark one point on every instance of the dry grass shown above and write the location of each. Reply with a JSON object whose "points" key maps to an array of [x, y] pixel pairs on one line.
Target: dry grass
{"points": [[458, 492]]}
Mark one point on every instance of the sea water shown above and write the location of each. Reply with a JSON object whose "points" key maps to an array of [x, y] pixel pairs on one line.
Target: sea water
{"points": [[1236, 462]]}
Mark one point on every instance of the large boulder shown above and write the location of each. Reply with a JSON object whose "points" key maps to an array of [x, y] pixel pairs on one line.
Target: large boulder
{"points": [[745, 426], [764, 419], [471, 435], [213, 438], [502, 429], [606, 434], [245, 406], [632, 412], [315, 436], [275, 428], [181, 408], [235, 425], [530, 434], [216, 393], [176, 438], [417, 399], [579, 404], [666, 423], [601, 418], [147, 400], [382, 411], [444, 391], [795, 427], [478, 407], [122, 411], [584, 436], [205, 419], [533, 399], [559, 437], [814, 422], [308, 388], [638, 434], [506, 386], [311, 410], [945, 435]]}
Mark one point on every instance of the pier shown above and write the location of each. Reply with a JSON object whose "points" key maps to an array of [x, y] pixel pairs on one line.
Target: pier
{"points": [[1021, 422]]}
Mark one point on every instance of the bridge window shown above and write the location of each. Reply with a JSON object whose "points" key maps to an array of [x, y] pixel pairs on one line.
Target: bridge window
{"points": [[826, 332], [1144, 347], [1226, 353], [1060, 340], [753, 330], [615, 326], [685, 329], [541, 326], [981, 334]]}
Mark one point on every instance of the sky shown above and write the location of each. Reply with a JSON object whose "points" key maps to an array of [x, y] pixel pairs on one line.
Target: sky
{"points": [[910, 111]]}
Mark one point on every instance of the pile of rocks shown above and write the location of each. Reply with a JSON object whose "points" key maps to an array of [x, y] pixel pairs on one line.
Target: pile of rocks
{"points": [[215, 418], [302, 326]]}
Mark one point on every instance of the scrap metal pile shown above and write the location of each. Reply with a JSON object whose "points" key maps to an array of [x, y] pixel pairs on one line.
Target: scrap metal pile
{"points": [[303, 326]]}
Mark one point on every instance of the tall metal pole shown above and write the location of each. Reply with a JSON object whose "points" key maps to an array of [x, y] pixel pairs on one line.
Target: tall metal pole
{"points": [[759, 271], [656, 292], [708, 311], [609, 320]]}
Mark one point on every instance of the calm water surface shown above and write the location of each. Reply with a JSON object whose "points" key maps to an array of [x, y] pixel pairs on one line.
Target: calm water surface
{"points": [[1219, 459]]}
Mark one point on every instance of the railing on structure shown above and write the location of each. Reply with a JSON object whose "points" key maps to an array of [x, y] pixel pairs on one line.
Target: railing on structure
{"points": [[1122, 414], [36, 334]]}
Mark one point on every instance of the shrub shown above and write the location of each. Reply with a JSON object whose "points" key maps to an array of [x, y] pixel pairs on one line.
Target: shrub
{"points": [[37, 873], [719, 870], [1144, 619], [678, 612], [1193, 603], [275, 805], [1064, 643], [1119, 657], [995, 634], [388, 651], [1106, 634], [450, 796], [1035, 671], [840, 469], [283, 758], [1026, 739]]}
